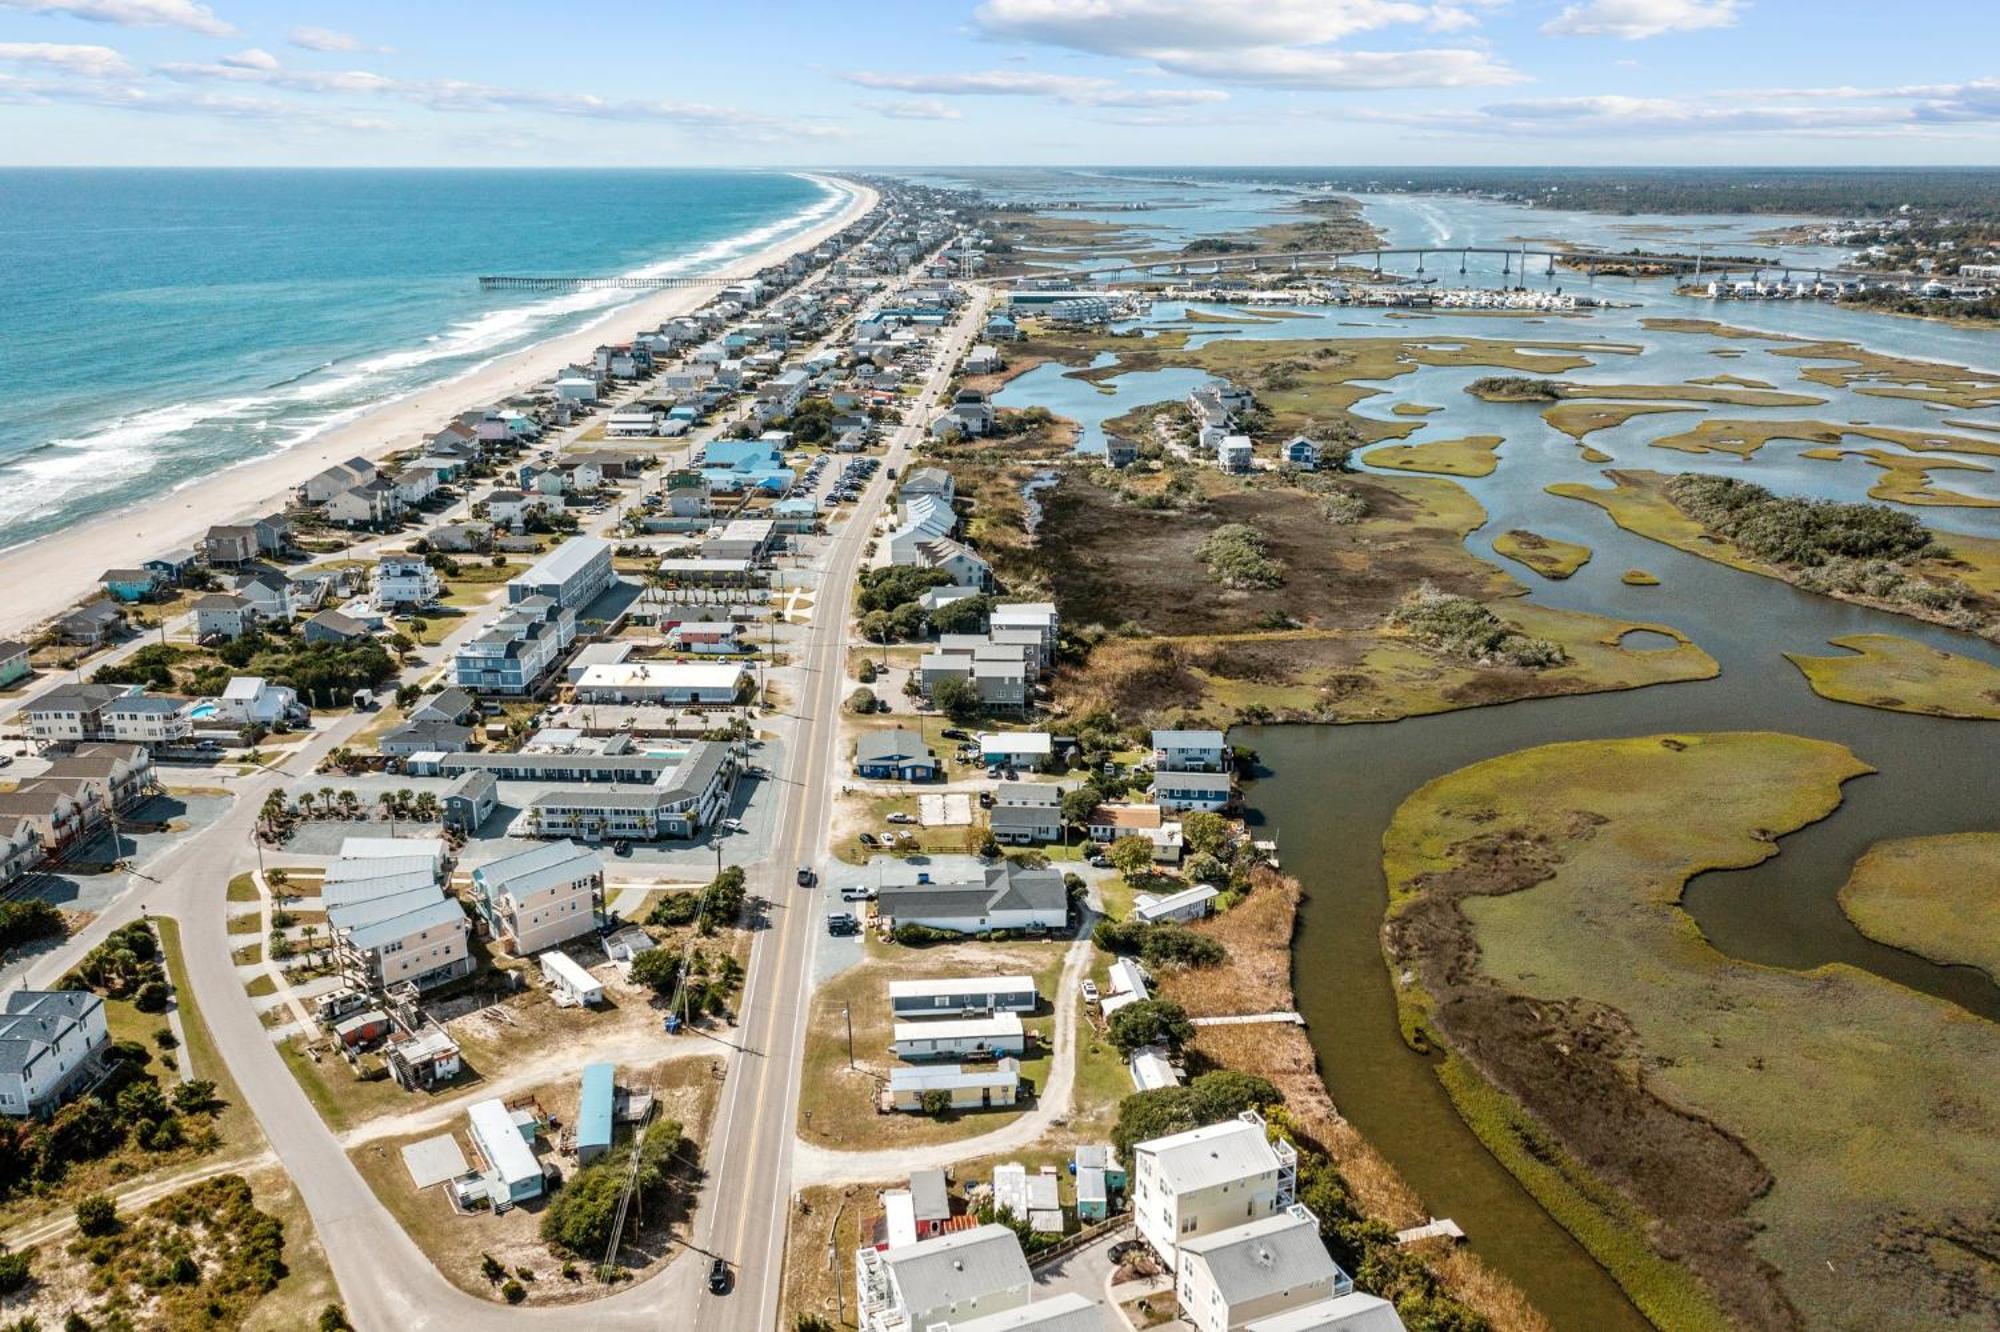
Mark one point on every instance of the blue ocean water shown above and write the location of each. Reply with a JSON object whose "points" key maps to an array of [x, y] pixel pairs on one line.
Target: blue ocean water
{"points": [[157, 326]]}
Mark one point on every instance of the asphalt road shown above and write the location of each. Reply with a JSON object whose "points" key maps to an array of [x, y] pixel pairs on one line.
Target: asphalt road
{"points": [[748, 1207]]}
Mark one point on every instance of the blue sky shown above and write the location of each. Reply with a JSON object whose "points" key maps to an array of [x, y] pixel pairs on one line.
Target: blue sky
{"points": [[934, 82]]}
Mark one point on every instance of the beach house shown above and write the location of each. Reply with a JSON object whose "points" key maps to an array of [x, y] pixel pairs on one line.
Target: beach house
{"points": [[51, 1043], [1190, 751], [323, 486], [1194, 1184], [952, 1278], [129, 584], [222, 615], [1352, 1312], [92, 625], [540, 897], [894, 755], [20, 848], [405, 580], [571, 576], [230, 544], [1025, 812], [1256, 1270], [374, 503], [14, 663], [1209, 792]]}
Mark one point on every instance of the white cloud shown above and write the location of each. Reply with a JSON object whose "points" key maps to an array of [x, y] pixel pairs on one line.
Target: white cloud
{"points": [[1139, 27], [327, 39], [1072, 89], [1911, 112], [133, 13], [1328, 70], [261, 67], [92, 62], [1634, 20], [1273, 43], [917, 108]]}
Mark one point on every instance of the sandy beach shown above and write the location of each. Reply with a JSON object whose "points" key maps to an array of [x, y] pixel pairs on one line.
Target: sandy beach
{"points": [[49, 575]]}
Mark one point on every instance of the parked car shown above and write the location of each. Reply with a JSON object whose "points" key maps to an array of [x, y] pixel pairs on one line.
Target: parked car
{"points": [[842, 923], [900, 817], [1089, 990], [856, 893], [868, 839], [732, 825], [1099, 860], [621, 848], [954, 733]]}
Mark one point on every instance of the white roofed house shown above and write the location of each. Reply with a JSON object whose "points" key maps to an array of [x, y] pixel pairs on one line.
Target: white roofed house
{"points": [[1210, 1179], [541, 897], [20, 847], [960, 1038], [412, 934], [250, 700], [962, 996], [959, 1276], [1068, 1312], [373, 503], [1255, 1270], [1352, 1312], [405, 580]]}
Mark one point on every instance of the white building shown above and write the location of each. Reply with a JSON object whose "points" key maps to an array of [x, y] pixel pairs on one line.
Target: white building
{"points": [[1186, 905], [1209, 1179], [49, 1046], [570, 981], [1069, 1312], [512, 1172], [250, 700], [1352, 1312], [964, 1275], [697, 684], [540, 897], [405, 580], [1190, 751], [960, 1038], [1256, 1270]]}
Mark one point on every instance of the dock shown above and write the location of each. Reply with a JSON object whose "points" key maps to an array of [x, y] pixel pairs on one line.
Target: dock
{"points": [[1250, 1020], [1436, 1228]]}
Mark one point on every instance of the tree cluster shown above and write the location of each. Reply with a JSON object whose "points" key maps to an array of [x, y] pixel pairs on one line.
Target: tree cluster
{"points": [[1238, 557], [1456, 626], [1163, 946]]}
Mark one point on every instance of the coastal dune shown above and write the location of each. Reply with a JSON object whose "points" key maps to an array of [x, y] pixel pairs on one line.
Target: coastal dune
{"points": [[48, 575]]}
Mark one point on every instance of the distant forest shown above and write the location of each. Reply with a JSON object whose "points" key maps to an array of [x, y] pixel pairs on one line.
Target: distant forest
{"points": [[1959, 192]]}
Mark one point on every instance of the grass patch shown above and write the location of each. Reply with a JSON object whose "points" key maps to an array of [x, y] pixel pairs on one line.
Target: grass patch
{"points": [[1475, 455], [1639, 578], [837, 1104], [1545, 555], [1900, 675], [261, 985], [1581, 419], [243, 888], [1559, 871], [1937, 897]]}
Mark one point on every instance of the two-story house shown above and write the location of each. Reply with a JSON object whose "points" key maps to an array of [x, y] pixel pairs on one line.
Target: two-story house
{"points": [[1190, 751], [1256, 1270], [950, 1279], [405, 580]]}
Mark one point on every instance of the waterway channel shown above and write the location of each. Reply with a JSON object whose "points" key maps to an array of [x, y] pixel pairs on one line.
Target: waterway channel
{"points": [[1327, 793]]}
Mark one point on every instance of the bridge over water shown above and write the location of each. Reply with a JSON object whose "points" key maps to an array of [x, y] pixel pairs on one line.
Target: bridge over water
{"points": [[1513, 259]]}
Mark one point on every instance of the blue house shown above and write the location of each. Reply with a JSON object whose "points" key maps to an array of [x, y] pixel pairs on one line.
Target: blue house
{"points": [[1303, 454], [593, 1115], [129, 584]]}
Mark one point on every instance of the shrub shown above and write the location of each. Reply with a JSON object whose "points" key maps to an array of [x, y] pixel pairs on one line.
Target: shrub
{"points": [[1207, 1099], [1797, 532], [914, 935], [151, 997], [579, 1220], [1168, 945], [333, 1318], [1456, 626], [862, 701], [14, 1271], [1238, 557], [96, 1215], [1515, 388], [934, 1103], [1150, 1022], [513, 1292]]}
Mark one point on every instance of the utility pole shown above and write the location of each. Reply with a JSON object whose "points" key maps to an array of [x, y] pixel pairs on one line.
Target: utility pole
{"points": [[847, 1011]]}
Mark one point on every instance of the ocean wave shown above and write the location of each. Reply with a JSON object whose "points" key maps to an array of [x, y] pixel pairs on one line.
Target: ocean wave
{"points": [[50, 479]]}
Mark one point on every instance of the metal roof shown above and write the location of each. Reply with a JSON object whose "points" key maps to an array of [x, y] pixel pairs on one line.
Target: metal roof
{"points": [[1213, 1154], [1264, 1257], [1352, 1312], [962, 1266], [593, 1116]]}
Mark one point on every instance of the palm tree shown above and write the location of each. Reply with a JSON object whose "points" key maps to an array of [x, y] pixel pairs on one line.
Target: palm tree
{"points": [[350, 804], [308, 933], [326, 798], [388, 799], [426, 807], [273, 811], [404, 799]]}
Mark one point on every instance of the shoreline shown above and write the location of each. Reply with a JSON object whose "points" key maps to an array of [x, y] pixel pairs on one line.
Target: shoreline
{"points": [[50, 574]]}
